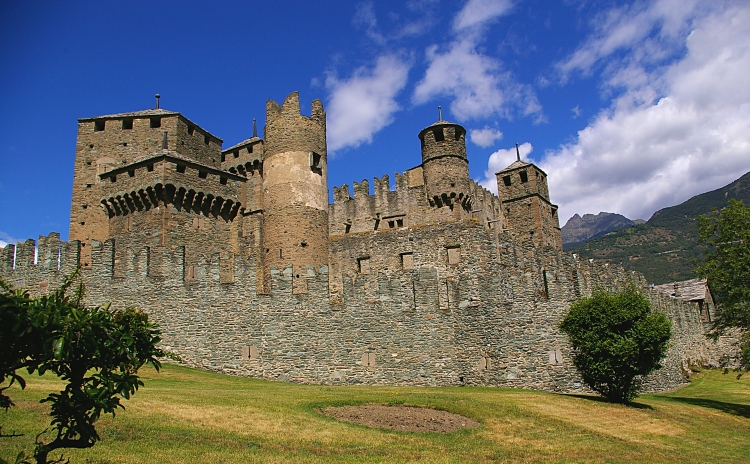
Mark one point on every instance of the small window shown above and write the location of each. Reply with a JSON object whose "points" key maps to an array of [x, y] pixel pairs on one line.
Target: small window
{"points": [[223, 157], [454, 255], [155, 122], [150, 167], [391, 224], [113, 179], [202, 174], [363, 265], [180, 168], [407, 260], [249, 148], [506, 181], [191, 130], [316, 162], [99, 125], [88, 186], [459, 133], [131, 172], [439, 136], [223, 181], [347, 228], [206, 139], [400, 222], [237, 154], [524, 176], [127, 124]]}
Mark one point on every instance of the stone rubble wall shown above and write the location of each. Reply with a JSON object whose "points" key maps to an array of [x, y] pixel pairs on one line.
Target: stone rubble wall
{"points": [[485, 315]]}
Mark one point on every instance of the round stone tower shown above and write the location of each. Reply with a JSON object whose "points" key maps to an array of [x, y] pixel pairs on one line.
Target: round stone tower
{"points": [[295, 187], [444, 163]]}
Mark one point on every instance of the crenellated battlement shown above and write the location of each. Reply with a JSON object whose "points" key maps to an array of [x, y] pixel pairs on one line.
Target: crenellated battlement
{"points": [[248, 269]]}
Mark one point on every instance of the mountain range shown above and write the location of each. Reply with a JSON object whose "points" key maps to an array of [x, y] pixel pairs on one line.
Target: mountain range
{"points": [[665, 248]]}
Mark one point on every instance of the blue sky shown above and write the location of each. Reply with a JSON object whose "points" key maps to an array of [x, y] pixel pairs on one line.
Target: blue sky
{"points": [[628, 106]]}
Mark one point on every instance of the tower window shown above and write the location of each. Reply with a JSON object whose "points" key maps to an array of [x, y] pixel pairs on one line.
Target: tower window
{"points": [[400, 222], [363, 265], [99, 125], [237, 154], [391, 224], [202, 174], [191, 130], [131, 173], [206, 139], [524, 176], [439, 136], [181, 168], [155, 122], [127, 124], [249, 148], [150, 167], [223, 157], [223, 181], [458, 134], [506, 181]]}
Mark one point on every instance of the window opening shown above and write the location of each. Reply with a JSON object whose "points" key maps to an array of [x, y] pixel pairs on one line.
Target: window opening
{"points": [[439, 136], [363, 265], [400, 222], [150, 167], [191, 130], [180, 168], [506, 181], [223, 181], [524, 176], [347, 228], [202, 174], [131, 173], [127, 124], [206, 139], [237, 154], [155, 122], [99, 125], [391, 224]]}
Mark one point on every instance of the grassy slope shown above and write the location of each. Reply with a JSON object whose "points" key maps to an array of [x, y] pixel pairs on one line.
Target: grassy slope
{"points": [[665, 248], [185, 415]]}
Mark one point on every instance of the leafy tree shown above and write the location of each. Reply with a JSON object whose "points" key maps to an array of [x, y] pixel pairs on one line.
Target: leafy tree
{"points": [[97, 351], [616, 340], [726, 236]]}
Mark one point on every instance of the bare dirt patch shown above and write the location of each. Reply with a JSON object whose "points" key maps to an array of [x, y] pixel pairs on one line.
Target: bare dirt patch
{"points": [[401, 417]]}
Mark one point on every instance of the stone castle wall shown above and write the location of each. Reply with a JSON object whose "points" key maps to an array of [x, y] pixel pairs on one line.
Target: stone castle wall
{"points": [[459, 307]]}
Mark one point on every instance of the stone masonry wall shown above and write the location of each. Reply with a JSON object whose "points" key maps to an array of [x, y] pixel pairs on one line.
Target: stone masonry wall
{"points": [[407, 307]]}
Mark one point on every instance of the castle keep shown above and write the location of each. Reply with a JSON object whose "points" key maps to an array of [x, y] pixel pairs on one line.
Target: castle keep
{"points": [[248, 269]]}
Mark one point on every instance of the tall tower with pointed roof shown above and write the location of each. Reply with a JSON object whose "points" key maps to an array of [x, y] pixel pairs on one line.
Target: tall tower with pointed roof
{"points": [[529, 213]]}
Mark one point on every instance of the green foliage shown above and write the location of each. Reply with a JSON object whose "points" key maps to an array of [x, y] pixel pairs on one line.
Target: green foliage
{"points": [[616, 341], [726, 236], [97, 351]]}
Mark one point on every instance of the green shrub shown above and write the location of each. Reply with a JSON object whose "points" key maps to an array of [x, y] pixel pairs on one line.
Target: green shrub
{"points": [[616, 340]]}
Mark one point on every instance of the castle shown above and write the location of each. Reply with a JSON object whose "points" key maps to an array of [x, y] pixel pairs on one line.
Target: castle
{"points": [[248, 269]]}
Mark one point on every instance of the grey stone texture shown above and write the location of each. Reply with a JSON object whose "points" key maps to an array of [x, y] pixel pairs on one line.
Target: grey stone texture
{"points": [[248, 270]]}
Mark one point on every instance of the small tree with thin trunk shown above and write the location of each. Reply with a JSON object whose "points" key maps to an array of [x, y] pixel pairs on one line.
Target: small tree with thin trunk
{"points": [[96, 351], [616, 340]]}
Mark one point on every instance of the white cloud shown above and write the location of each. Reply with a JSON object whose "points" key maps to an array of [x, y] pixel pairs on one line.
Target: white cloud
{"points": [[476, 84], [500, 160], [478, 12], [680, 127], [576, 111], [362, 105], [485, 137]]}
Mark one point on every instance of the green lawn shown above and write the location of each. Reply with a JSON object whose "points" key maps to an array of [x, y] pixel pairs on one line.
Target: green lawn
{"points": [[187, 415]]}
